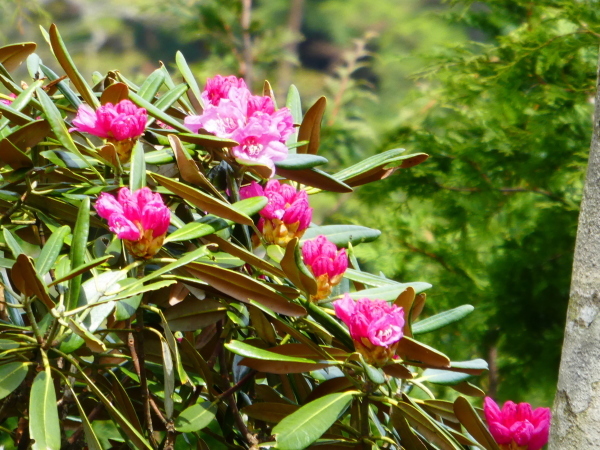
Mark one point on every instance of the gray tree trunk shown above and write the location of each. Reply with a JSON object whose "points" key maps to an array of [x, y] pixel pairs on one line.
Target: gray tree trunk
{"points": [[576, 419]]}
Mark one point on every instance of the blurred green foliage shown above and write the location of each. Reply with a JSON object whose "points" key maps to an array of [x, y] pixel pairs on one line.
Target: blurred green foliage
{"points": [[501, 100]]}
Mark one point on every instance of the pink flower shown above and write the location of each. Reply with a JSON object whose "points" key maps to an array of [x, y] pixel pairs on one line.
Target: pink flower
{"points": [[375, 326], [260, 143], [121, 124], [232, 112], [218, 88], [141, 219], [326, 263], [9, 102], [287, 214], [517, 425]]}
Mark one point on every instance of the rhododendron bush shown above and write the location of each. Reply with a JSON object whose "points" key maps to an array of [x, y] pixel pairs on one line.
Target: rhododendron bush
{"points": [[164, 284]]}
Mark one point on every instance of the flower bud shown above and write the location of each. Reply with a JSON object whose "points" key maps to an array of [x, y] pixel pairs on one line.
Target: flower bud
{"points": [[326, 263], [517, 426], [141, 219], [375, 327], [287, 214]]}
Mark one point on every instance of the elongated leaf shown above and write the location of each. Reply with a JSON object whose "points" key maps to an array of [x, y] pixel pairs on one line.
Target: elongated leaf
{"points": [[28, 281], [303, 427], [442, 319], [207, 140], [444, 377], [243, 288], [195, 417], [90, 436], [367, 278], [66, 62], [187, 75], [298, 161], [473, 424], [412, 350], [12, 243], [193, 314], [92, 342], [51, 250], [81, 269], [250, 351], [10, 154], [156, 112], [315, 178], [44, 426], [391, 292], [340, 235], [378, 167], [331, 325], [77, 254], [169, 378], [202, 200], [136, 438], [11, 376], [300, 351], [271, 412], [310, 129], [137, 174], [151, 85], [194, 230], [63, 86], [11, 56]]}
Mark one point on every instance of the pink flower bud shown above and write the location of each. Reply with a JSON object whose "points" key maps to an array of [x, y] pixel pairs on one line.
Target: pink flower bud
{"points": [[121, 124], [287, 214], [326, 263], [517, 426], [375, 327], [141, 219]]}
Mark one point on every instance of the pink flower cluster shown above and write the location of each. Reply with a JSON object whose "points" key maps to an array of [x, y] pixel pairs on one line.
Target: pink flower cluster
{"points": [[326, 263], [232, 112], [121, 124], [140, 218], [287, 214], [375, 327], [517, 426]]}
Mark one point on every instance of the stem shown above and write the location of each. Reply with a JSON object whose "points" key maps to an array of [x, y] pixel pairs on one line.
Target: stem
{"points": [[364, 421], [27, 304]]}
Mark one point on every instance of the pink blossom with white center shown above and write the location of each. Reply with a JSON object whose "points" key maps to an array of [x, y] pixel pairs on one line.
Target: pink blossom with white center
{"points": [[259, 143], [140, 218], [517, 425], [232, 112], [287, 214]]}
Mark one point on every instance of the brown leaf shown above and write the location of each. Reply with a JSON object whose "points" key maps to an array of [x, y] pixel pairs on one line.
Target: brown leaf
{"points": [[11, 155], [268, 92], [114, 93], [292, 272], [108, 152], [261, 325], [398, 371], [385, 170], [11, 56], [29, 135], [247, 257], [123, 403], [201, 200], [417, 307], [206, 140], [192, 314], [468, 389], [310, 129], [314, 178], [26, 279], [243, 288], [330, 386], [410, 441], [442, 408], [411, 350], [473, 424], [405, 301], [271, 412]]}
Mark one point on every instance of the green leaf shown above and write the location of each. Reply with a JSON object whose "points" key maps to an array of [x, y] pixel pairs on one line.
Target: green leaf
{"points": [[194, 230], [77, 254], [44, 426], [442, 319], [303, 427], [125, 308], [63, 86], [444, 377], [294, 104], [51, 250], [298, 161], [90, 436], [473, 424], [137, 174], [11, 376], [315, 178], [331, 325], [195, 417], [156, 112], [390, 293], [12, 243], [151, 85], [66, 62], [367, 278], [340, 235], [169, 377], [250, 351], [188, 77]]}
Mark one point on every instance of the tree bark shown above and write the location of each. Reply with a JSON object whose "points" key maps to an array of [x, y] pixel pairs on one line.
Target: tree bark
{"points": [[576, 420]]}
